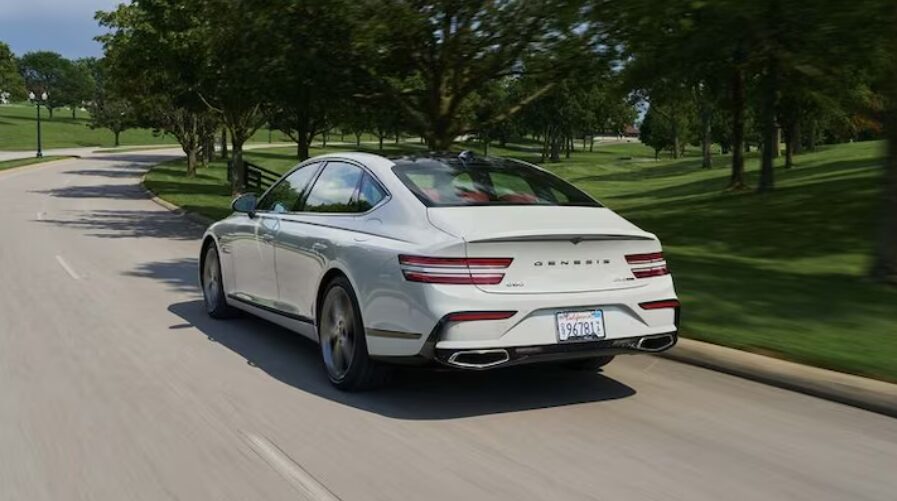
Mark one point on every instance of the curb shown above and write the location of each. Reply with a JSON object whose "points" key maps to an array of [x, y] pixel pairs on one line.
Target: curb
{"points": [[869, 394], [199, 219]]}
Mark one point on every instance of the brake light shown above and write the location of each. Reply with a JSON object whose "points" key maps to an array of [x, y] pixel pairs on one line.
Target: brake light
{"points": [[651, 264], [659, 305], [454, 270], [470, 316]]}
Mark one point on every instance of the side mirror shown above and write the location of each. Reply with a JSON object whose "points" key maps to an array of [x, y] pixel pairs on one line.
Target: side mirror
{"points": [[245, 203]]}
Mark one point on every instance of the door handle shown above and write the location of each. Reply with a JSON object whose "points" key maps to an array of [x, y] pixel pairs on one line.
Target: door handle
{"points": [[267, 237], [318, 246]]}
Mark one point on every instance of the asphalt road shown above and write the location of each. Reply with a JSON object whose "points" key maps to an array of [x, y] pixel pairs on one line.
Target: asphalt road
{"points": [[114, 385]]}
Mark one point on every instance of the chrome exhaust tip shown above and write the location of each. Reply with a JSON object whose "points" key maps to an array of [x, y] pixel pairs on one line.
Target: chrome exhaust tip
{"points": [[655, 343], [478, 359]]}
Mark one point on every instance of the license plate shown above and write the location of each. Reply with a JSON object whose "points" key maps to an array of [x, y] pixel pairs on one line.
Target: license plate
{"points": [[580, 325]]}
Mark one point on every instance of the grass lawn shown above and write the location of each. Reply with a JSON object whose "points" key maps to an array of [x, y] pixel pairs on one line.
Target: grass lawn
{"points": [[9, 164], [780, 274], [18, 130]]}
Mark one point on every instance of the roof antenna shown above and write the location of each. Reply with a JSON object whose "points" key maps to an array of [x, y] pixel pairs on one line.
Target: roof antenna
{"points": [[466, 156]]}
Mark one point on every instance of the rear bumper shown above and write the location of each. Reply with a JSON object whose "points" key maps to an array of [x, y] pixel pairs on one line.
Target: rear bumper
{"points": [[505, 357], [496, 357]]}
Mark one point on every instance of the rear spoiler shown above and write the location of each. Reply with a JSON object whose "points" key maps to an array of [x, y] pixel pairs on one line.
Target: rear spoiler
{"points": [[575, 237]]}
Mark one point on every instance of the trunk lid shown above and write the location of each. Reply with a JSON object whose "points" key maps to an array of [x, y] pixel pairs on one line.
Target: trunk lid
{"points": [[555, 249]]}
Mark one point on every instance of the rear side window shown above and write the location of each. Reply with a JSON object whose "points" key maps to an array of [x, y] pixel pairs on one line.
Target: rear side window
{"points": [[369, 194], [449, 182], [286, 195], [335, 189]]}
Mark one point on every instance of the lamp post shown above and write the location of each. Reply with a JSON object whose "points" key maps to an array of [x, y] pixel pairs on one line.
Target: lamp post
{"points": [[37, 100]]}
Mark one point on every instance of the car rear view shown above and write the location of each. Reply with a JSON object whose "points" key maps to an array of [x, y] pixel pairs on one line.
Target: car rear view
{"points": [[547, 273]]}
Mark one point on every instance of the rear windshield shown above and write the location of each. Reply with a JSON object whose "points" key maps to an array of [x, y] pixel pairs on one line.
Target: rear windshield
{"points": [[450, 182]]}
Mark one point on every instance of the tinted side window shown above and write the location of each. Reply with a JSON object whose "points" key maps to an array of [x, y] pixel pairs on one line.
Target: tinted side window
{"points": [[335, 189], [369, 194], [286, 195]]}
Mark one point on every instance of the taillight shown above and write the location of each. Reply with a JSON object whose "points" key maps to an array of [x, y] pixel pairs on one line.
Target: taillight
{"points": [[651, 264], [454, 270], [659, 305], [470, 316]]}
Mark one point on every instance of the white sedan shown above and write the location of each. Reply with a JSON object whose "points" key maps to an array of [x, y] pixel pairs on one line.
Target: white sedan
{"points": [[459, 260]]}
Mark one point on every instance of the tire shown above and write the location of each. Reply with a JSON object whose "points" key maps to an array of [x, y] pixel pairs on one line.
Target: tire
{"points": [[344, 351], [588, 364], [213, 285]]}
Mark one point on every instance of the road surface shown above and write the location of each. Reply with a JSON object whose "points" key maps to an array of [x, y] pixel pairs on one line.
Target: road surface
{"points": [[114, 385]]}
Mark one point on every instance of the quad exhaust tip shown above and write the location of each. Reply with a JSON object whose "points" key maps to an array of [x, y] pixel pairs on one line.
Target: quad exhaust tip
{"points": [[479, 359]]}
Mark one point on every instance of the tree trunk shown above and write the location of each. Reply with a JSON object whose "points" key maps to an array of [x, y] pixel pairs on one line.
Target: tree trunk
{"points": [[770, 131], [591, 144], [117, 133], [380, 137], [568, 145], [812, 135], [884, 268], [73, 113], [555, 155], [706, 141], [486, 148], [777, 143], [324, 139], [797, 146], [191, 160], [675, 140], [358, 140], [238, 182], [788, 134], [224, 144], [736, 180], [50, 112], [398, 137]]}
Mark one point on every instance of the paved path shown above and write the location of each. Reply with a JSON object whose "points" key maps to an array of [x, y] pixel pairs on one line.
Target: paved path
{"points": [[114, 385]]}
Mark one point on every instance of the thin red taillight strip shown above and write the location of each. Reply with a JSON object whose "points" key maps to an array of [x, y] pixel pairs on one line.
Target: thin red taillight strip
{"points": [[648, 258], [454, 270], [659, 305], [656, 271], [470, 316], [461, 262], [454, 279]]}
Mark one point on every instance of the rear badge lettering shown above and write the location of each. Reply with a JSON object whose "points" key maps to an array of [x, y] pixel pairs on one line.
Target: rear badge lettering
{"points": [[575, 262]]}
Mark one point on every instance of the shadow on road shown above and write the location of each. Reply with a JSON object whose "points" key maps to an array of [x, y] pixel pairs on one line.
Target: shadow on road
{"points": [[129, 224], [117, 173], [418, 394]]}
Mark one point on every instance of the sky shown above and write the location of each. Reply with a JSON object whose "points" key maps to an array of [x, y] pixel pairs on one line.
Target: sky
{"points": [[63, 26]]}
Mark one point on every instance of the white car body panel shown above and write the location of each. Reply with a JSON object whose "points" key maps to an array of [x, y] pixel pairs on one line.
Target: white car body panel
{"points": [[274, 265]]}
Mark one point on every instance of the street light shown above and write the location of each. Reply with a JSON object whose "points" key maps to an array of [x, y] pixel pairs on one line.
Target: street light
{"points": [[37, 100]]}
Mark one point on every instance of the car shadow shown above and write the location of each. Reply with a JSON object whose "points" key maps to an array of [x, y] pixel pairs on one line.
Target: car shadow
{"points": [[414, 393]]}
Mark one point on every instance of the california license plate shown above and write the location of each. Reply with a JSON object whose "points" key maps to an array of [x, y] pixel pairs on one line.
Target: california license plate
{"points": [[584, 325]]}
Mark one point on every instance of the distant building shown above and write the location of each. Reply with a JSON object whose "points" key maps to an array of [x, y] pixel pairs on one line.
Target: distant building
{"points": [[630, 131]]}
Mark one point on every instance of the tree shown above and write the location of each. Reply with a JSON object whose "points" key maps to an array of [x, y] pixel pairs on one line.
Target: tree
{"points": [[77, 84], [656, 132], [108, 110], [432, 58], [230, 37], [157, 71], [10, 79], [312, 74], [45, 71]]}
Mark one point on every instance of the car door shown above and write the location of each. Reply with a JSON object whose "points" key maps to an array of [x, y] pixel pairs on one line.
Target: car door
{"points": [[255, 251], [340, 194]]}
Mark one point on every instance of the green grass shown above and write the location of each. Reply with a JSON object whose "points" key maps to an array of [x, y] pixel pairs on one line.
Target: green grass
{"points": [[780, 274], [18, 131], [21, 162]]}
